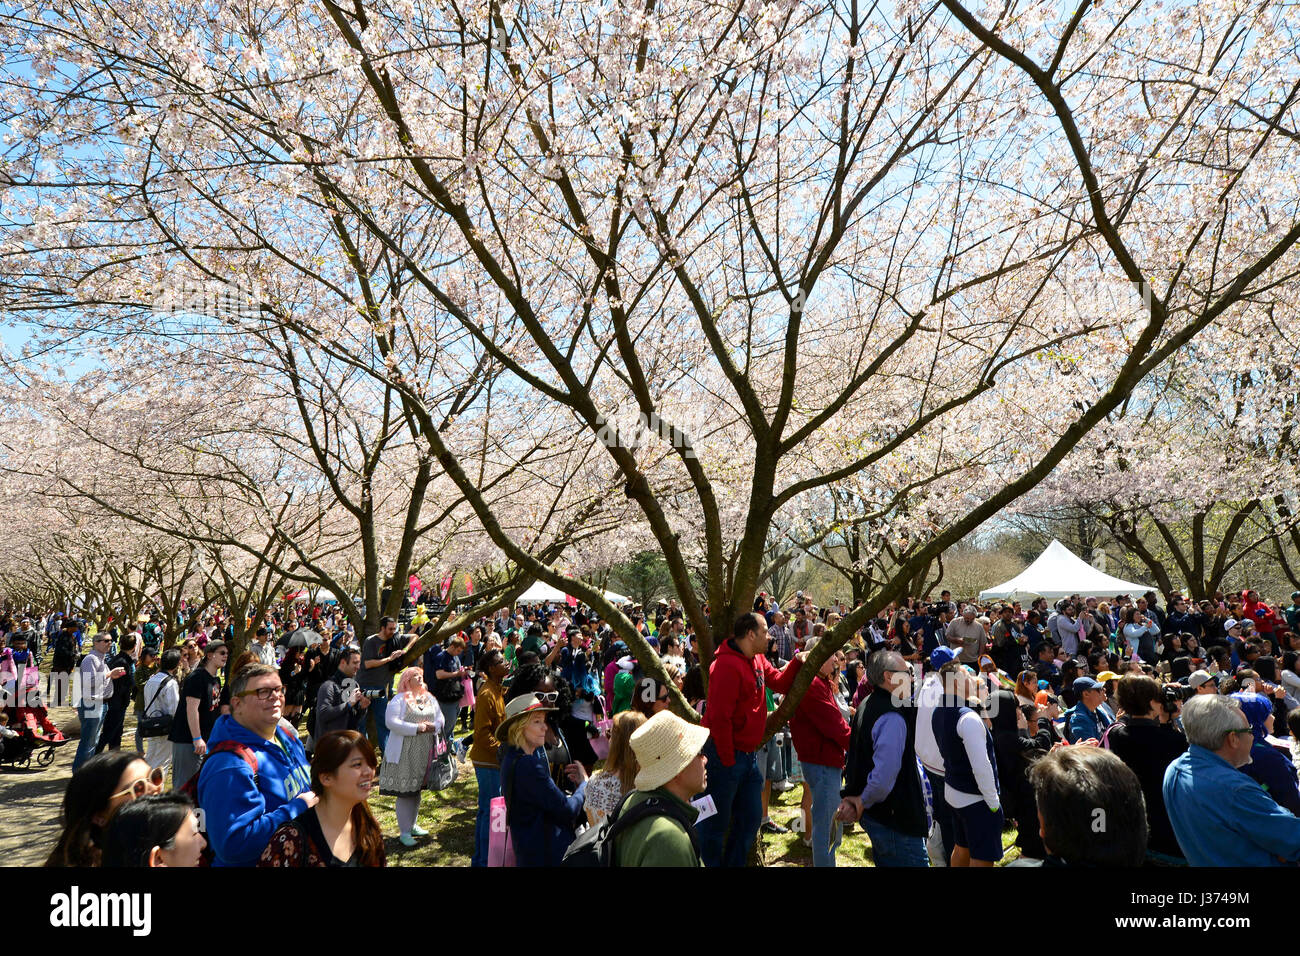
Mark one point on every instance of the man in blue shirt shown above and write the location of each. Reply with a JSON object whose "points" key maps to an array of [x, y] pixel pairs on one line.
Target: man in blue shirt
{"points": [[1220, 816], [1087, 719]]}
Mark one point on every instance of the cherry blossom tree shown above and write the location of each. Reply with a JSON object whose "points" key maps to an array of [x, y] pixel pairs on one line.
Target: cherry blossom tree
{"points": [[799, 243]]}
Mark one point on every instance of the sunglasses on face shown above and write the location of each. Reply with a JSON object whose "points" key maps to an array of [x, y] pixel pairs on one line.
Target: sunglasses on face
{"points": [[550, 697], [141, 787]]}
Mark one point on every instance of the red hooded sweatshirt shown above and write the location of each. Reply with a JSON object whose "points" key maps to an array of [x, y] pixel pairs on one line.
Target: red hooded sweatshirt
{"points": [[820, 732], [736, 712]]}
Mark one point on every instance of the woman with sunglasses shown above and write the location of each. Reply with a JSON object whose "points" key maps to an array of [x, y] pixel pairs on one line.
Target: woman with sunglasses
{"points": [[650, 697], [541, 817], [155, 831], [97, 790], [415, 721], [340, 830]]}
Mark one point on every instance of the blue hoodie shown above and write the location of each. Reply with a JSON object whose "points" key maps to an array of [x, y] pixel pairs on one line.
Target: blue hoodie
{"points": [[241, 815]]}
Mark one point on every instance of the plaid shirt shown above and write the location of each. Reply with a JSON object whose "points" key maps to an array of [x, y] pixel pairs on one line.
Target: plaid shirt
{"points": [[784, 638]]}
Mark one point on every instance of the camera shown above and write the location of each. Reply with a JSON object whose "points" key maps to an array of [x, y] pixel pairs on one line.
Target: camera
{"points": [[1175, 694], [374, 693]]}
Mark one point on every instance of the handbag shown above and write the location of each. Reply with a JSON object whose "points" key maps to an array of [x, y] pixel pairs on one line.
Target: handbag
{"points": [[600, 744], [442, 770], [159, 724], [501, 851]]}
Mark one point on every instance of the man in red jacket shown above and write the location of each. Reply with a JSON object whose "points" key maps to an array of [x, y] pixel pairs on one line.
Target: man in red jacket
{"points": [[736, 714]]}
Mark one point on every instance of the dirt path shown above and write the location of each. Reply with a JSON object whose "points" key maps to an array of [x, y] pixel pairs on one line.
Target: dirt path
{"points": [[30, 800]]}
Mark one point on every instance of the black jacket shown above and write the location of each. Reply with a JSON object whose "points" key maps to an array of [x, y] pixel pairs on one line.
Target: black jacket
{"points": [[1148, 747]]}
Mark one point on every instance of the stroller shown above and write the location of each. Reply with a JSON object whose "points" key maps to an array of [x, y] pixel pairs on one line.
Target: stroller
{"points": [[29, 732]]}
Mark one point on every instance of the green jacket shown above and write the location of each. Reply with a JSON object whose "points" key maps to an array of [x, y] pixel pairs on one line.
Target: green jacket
{"points": [[658, 840]]}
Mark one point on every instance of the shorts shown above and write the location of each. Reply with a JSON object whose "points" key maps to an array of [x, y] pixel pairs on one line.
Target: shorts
{"points": [[979, 830]]}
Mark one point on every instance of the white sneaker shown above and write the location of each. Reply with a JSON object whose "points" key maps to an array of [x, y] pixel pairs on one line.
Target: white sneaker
{"points": [[781, 786]]}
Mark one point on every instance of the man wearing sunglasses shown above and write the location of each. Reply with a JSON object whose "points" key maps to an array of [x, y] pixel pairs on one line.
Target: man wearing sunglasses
{"points": [[257, 775], [96, 689]]}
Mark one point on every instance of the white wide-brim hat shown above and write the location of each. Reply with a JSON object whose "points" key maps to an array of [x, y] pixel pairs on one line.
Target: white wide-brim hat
{"points": [[664, 745]]}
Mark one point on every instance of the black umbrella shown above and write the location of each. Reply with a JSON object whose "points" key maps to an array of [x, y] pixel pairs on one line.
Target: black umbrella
{"points": [[302, 637]]}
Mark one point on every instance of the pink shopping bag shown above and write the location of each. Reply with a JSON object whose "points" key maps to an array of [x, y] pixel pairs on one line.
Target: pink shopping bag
{"points": [[601, 744], [500, 850]]}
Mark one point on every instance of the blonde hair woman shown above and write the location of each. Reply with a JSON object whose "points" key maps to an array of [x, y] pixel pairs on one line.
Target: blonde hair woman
{"points": [[414, 720], [608, 788]]}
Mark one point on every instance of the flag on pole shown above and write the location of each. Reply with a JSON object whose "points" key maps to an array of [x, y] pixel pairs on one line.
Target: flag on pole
{"points": [[469, 585], [446, 587]]}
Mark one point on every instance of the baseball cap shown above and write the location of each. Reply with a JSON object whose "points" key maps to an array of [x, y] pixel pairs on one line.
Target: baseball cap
{"points": [[1198, 678], [942, 655], [1086, 683], [1107, 675], [1230, 623], [1045, 697]]}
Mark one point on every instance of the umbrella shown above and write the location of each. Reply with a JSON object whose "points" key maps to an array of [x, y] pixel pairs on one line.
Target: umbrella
{"points": [[302, 637]]}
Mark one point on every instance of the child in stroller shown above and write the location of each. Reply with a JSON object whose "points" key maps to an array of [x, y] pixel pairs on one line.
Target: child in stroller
{"points": [[23, 732], [25, 726]]}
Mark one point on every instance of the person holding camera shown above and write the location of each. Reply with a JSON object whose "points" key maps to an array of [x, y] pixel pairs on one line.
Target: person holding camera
{"points": [[336, 709], [1147, 740]]}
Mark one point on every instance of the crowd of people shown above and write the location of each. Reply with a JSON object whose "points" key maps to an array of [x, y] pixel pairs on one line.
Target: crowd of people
{"points": [[937, 729]]}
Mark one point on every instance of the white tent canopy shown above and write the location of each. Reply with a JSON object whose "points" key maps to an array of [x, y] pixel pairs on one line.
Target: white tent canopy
{"points": [[1058, 573], [541, 591], [616, 599]]}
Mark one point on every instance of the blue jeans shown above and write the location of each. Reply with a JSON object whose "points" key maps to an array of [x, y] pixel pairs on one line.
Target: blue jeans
{"points": [[89, 737], [489, 786], [891, 848], [378, 707], [737, 791], [824, 782]]}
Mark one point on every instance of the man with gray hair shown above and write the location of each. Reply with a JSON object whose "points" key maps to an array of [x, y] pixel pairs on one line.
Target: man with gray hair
{"points": [[882, 783], [966, 636], [1220, 816]]}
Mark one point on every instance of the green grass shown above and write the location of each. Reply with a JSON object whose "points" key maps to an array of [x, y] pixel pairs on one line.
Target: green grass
{"points": [[449, 816]]}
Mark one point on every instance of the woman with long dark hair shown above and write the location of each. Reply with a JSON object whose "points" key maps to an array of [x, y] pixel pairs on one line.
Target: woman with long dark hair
{"points": [[340, 830], [293, 675], [155, 831], [97, 790]]}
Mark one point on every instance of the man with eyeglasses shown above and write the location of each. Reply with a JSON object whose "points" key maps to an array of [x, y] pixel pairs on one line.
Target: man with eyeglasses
{"points": [[257, 776], [96, 689], [1221, 816], [882, 782]]}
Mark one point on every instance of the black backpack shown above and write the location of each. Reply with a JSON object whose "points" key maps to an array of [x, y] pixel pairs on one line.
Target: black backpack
{"points": [[595, 845]]}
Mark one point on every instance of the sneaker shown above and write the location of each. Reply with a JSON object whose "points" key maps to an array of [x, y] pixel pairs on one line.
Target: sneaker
{"points": [[771, 826], [806, 841], [406, 839], [417, 830], [781, 786]]}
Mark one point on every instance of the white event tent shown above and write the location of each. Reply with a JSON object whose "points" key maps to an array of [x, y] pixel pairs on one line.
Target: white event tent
{"points": [[1058, 573], [541, 592]]}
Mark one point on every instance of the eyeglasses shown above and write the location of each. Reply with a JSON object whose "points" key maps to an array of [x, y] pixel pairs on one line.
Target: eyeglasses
{"points": [[1242, 730], [263, 693], [550, 697], [141, 787]]}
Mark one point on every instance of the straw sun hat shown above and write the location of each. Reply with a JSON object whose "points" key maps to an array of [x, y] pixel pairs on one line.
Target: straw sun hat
{"points": [[664, 745]]}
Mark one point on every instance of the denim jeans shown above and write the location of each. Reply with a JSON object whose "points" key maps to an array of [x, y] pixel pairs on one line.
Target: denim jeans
{"points": [[378, 707], [450, 710], [89, 737], [891, 848], [489, 786], [737, 791], [824, 782]]}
